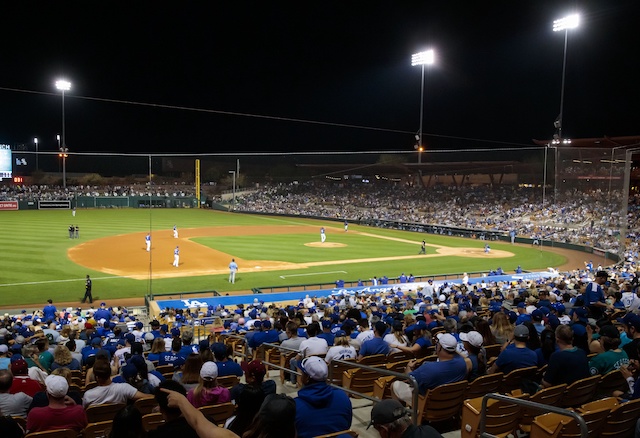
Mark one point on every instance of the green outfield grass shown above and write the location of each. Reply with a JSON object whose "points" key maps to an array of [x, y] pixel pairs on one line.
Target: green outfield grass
{"points": [[35, 266]]}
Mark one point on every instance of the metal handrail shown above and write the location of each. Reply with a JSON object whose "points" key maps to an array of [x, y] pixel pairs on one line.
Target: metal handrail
{"points": [[584, 430]]}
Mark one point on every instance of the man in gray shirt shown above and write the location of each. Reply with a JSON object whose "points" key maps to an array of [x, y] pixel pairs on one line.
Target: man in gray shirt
{"points": [[12, 404]]}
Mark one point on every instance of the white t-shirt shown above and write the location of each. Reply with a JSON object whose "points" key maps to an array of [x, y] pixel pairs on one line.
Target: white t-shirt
{"points": [[341, 353], [113, 393], [363, 336], [313, 346], [392, 340]]}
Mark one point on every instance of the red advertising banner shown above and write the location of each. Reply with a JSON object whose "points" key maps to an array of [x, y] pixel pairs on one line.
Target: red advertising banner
{"points": [[8, 205]]}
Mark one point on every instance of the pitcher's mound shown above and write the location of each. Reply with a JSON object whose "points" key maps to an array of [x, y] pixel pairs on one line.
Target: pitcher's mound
{"points": [[473, 252], [325, 244]]}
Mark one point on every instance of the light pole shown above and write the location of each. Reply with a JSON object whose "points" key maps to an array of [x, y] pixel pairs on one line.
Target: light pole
{"points": [[35, 140], [233, 172], [63, 86], [422, 58], [565, 23]]}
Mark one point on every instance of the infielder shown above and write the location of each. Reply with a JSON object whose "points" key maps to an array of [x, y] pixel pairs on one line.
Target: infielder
{"points": [[323, 236], [147, 239], [175, 232], [233, 268], [176, 256], [346, 226]]}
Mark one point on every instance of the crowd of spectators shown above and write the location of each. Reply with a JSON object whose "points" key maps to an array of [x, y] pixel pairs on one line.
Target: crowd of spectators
{"points": [[581, 217], [52, 192]]}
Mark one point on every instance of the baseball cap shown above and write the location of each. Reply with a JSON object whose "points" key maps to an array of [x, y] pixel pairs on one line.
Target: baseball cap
{"points": [[609, 331], [3, 349], [420, 325], [473, 337], [521, 332], [130, 338], [256, 369], [209, 370], [340, 333], [218, 349], [149, 337], [581, 313], [632, 320], [139, 325], [57, 386], [96, 341], [19, 366], [387, 411], [537, 315], [129, 371], [175, 332], [447, 341], [326, 323], [315, 368], [257, 324], [266, 324]]}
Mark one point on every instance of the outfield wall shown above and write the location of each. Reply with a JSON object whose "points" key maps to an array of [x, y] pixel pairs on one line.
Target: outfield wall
{"points": [[118, 202]]}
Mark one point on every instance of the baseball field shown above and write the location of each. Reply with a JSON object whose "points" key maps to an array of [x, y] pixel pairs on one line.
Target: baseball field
{"points": [[39, 261]]}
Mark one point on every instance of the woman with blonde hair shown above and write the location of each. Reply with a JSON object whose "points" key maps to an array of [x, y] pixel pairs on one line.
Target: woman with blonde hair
{"points": [[157, 347], [208, 392], [62, 358], [341, 348], [501, 328]]}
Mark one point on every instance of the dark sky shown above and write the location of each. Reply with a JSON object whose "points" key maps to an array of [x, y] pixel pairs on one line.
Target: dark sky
{"points": [[497, 78]]}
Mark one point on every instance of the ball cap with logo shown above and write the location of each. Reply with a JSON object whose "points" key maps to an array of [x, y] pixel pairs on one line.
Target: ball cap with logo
{"points": [[314, 367]]}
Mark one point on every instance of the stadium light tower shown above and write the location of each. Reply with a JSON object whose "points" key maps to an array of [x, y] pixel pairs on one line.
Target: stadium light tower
{"points": [[63, 86], [233, 172], [35, 140], [564, 24], [422, 58]]}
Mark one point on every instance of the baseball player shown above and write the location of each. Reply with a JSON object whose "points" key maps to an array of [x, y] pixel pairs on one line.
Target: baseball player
{"points": [[176, 256], [175, 232], [147, 239], [73, 212], [323, 236], [346, 226], [233, 268], [487, 248], [423, 248]]}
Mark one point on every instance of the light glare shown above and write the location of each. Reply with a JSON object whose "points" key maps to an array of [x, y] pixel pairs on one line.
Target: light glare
{"points": [[568, 22], [423, 58], [63, 85]]}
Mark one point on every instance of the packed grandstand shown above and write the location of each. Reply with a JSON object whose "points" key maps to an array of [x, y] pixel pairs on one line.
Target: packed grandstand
{"points": [[478, 327]]}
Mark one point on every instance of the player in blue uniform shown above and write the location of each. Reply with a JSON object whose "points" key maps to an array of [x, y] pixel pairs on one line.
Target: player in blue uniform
{"points": [[323, 236], [147, 240], [175, 232]]}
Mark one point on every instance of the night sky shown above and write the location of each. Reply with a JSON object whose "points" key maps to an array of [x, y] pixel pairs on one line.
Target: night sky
{"points": [[189, 77]]}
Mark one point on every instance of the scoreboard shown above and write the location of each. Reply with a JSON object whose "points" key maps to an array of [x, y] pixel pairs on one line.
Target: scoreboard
{"points": [[5, 161]]}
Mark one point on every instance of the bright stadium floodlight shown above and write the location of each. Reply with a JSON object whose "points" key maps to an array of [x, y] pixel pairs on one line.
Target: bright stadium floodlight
{"points": [[427, 57], [63, 85], [569, 22], [564, 24]]}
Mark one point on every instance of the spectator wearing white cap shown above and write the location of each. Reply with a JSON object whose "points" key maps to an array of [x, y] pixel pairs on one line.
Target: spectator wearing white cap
{"points": [[320, 409], [208, 392], [450, 368], [472, 342], [58, 414]]}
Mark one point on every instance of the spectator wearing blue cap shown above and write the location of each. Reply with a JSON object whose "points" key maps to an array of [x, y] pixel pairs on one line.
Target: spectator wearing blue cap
{"points": [[226, 366], [579, 322], [420, 338], [516, 355], [537, 318], [326, 332], [267, 334], [375, 345]]}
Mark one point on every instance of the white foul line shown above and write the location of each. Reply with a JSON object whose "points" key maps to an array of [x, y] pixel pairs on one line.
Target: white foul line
{"points": [[57, 281], [313, 273]]}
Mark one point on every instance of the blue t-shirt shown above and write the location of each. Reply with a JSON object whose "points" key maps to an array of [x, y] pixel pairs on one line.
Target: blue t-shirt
{"points": [[374, 346], [432, 374], [229, 368], [513, 358]]}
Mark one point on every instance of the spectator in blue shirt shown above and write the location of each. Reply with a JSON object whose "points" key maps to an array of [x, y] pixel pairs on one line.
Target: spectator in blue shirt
{"points": [[376, 345]]}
